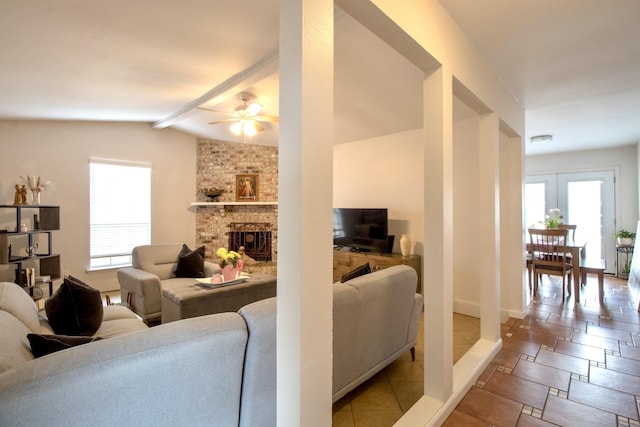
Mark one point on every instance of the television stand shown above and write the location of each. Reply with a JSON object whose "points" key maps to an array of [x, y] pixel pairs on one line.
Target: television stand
{"points": [[345, 260]]}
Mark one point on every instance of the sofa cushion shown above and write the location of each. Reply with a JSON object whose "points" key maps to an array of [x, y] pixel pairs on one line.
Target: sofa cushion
{"points": [[14, 350], [75, 308], [190, 263], [41, 345], [356, 272], [14, 300], [117, 327]]}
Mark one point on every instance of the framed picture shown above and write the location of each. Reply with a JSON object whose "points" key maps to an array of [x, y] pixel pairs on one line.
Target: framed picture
{"points": [[246, 188]]}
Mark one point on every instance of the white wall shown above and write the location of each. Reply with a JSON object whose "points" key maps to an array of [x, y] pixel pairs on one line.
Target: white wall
{"points": [[387, 172], [624, 160], [384, 172], [466, 177], [59, 151]]}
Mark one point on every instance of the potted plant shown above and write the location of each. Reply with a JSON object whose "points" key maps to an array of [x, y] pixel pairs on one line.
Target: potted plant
{"points": [[624, 238], [626, 269]]}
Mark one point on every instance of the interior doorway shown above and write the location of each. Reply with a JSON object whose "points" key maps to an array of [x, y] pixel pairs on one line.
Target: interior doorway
{"points": [[586, 199]]}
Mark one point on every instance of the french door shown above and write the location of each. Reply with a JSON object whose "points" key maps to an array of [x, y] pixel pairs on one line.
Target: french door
{"points": [[586, 199]]}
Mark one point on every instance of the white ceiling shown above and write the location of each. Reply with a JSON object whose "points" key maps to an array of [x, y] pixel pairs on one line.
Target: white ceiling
{"points": [[574, 65]]}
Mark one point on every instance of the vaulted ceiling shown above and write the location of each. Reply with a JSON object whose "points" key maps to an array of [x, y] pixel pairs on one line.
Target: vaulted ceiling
{"points": [[574, 65]]}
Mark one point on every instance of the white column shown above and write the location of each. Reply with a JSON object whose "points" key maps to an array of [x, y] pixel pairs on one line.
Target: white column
{"points": [[304, 341], [489, 227], [513, 235], [438, 234]]}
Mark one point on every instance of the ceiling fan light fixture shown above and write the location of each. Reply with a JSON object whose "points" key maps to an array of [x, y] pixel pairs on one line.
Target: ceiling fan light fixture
{"points": [[236, 127], [249, 128], [539, 139], [253, 109]]}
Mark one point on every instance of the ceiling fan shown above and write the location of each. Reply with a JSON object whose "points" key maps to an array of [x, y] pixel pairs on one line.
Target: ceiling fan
{"points": [[245, 119]]}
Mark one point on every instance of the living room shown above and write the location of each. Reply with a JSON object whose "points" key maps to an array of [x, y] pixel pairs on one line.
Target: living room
{"points": [[64, 149], [418, 189]]}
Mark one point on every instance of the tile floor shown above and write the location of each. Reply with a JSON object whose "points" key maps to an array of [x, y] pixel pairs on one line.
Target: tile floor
{"points": [[383, 399], [563, 365]]}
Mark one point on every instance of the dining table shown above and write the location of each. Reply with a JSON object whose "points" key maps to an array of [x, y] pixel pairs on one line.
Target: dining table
{"points": [[578, 250]]}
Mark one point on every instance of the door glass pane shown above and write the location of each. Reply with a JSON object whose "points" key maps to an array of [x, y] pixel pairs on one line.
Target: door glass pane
{"points": [[535, 204], [584, 208]]}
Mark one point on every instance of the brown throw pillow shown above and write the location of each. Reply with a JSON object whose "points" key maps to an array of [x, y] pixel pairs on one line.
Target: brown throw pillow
{"points": [[41, 345], [75, 308], [190, 263]]}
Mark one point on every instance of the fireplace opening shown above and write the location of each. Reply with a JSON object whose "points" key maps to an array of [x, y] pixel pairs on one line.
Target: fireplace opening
{"points": [[254, 236]]}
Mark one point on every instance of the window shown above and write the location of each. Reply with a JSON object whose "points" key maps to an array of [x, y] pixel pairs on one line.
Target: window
{"points": [[120, 211]]}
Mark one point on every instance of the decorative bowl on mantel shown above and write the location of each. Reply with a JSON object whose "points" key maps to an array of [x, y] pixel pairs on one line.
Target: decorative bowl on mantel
{"points": [[212, 193]]}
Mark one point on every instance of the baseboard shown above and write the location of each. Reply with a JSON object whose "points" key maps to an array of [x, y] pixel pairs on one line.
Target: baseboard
{"points": [[473, 309], [466, 307]]}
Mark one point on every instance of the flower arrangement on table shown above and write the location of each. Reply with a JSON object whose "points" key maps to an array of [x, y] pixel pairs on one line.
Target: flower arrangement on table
{"points": [[36, 186], [553, 219], [231, 263]]}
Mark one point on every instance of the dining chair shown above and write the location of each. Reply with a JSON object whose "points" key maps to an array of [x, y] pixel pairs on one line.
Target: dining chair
{"points": [[571, 228], [549, 256], [571, 235]]}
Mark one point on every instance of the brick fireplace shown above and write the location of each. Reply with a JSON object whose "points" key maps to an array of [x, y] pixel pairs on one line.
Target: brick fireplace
{"points": [[226, 223], [253, 237]]}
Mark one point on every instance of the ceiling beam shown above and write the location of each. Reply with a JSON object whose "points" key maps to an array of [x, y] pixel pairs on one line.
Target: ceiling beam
{"points": [[225, 90]]}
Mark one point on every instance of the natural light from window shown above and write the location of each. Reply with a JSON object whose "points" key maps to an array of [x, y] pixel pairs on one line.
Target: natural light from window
{"points": [[120, 211]]}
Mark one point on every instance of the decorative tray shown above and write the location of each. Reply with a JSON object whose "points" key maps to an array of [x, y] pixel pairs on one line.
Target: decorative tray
{"points": [[217, 282]]}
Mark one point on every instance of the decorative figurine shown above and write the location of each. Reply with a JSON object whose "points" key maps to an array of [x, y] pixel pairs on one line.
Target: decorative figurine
{"points": [[23, 194], [246, 258], [17, 198]]}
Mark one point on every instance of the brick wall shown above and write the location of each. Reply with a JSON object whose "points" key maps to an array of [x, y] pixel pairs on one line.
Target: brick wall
{"points": [[218, 163]]}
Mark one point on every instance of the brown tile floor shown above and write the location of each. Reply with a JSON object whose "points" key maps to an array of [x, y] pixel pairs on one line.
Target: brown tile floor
{"points": [[563, 365]]}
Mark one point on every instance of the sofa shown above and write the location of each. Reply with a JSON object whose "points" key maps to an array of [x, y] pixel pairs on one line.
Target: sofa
{"points": [[375, 321], [218, 369], [211, 370], [152, 267]]}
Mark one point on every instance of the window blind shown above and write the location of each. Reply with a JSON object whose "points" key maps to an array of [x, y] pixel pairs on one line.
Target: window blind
{"points": [[120, 211]]}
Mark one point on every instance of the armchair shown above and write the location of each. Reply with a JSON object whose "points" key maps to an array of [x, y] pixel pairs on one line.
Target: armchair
{"points": [[152, 265]]}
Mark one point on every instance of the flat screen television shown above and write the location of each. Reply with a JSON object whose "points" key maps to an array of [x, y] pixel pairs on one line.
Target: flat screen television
{"points": [[363, 230]]}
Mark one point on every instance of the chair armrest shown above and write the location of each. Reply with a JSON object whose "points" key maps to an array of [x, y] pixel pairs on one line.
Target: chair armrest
{"points": [[142, 291], [139, 281]]}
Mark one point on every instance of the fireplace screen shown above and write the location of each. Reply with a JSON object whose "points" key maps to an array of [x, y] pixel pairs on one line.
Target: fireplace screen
{"points": [[254, 236]]}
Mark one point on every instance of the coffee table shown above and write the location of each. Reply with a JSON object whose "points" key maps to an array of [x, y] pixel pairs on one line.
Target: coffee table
{"points": [[182, 300]]}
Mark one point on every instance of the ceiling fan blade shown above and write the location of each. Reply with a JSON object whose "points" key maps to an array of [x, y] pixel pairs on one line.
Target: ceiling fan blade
{"points": [[272, 119], [217, 111], [258, 126], [253, 109], [224, 121]]}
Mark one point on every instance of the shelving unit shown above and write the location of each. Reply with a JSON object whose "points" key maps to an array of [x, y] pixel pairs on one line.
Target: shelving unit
{"points": [[40, 222]]}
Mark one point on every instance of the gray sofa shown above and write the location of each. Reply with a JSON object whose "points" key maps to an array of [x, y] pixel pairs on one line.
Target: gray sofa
{"points": [[210, 370], [375, 321], [218, 369], [152, 266]]}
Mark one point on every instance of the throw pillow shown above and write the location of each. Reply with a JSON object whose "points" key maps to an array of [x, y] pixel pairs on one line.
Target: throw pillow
{"points": [[41, 345], [356, 272], [190, 263], [75, 308]]}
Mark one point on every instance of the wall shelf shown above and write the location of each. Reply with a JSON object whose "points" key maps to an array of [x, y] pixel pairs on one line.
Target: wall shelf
{"points": [[234, 203]]}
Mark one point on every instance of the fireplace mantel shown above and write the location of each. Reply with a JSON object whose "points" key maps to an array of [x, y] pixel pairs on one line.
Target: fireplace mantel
{"points": [[234, 203]]}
